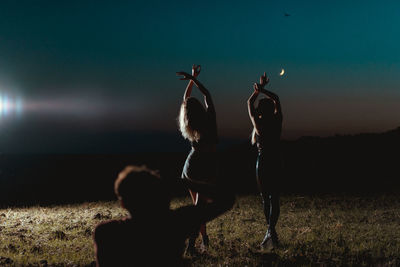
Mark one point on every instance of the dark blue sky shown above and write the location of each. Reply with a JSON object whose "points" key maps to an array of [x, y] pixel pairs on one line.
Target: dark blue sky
{"points": [[106, 66]]}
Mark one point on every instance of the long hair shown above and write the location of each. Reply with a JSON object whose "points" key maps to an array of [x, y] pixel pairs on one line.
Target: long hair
{"points": [[265, 110], [192, 119]]}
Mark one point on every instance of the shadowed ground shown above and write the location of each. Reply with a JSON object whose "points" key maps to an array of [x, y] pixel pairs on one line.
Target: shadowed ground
{"points": [[331, 230]]}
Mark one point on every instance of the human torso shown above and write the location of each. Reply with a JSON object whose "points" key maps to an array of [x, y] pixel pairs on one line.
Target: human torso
{"points": [[269, 135], [201, 163], [132, 242]]}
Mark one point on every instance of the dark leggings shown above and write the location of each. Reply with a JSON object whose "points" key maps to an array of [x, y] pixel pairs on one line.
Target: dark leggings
{"points": [[268, 173], [271, 209]]}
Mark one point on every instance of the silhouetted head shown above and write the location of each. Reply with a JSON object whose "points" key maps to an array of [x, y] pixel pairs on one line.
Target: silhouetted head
{"points": [[141, 190], [265, 107], [192, 119]]}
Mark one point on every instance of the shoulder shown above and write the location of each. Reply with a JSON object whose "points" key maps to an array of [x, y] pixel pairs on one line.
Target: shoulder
{"points": [[107, 229]]}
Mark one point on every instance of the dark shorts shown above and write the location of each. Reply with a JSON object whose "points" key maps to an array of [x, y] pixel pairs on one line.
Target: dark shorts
{"points": [[201, 166]]}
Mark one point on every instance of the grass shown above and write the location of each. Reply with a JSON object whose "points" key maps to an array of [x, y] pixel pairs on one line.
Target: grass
{"points": [[313, 230]]}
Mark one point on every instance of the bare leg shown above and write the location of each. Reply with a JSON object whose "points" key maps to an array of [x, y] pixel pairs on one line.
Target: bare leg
{"points": [[203, 228], [193, 195], [201, 200], [197, 200], [192, 239]]}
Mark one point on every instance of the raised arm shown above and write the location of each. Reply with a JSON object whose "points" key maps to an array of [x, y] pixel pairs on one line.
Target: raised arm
{"points": [[250, 106], [264, 80], [275, 98], [207, 96], [195, 72]]}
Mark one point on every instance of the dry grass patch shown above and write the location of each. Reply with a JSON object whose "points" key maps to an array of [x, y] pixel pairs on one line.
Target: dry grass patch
{"points": [[328, 230]]}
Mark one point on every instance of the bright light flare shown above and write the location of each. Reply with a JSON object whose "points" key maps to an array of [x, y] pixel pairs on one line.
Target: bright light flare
{"points": [[10, 106], [18, 106], [5, 106]]}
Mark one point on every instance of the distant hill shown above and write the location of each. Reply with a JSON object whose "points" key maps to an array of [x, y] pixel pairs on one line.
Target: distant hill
{"points": [[365, 162], [342, 163]]}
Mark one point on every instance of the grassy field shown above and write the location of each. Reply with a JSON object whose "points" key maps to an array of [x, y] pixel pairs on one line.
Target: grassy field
{"points": [[321, 230]]}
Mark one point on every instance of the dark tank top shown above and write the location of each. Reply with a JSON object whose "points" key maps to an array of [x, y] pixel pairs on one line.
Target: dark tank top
{"points": [[270, 134]]}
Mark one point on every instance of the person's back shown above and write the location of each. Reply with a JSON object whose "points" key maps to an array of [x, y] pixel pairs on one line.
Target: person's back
{"points": [[139, 243], [154, 235]]}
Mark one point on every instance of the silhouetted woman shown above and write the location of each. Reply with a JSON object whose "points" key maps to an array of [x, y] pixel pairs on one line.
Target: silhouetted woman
{"points": [[267, 122], [199, 126]]}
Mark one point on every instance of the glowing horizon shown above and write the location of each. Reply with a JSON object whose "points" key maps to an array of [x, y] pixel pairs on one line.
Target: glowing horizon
{"points": [[116, 70]]}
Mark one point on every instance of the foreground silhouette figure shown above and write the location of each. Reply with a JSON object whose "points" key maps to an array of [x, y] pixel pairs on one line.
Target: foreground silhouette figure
{"points": [[199, 126], [267, 128], [153, 234]]}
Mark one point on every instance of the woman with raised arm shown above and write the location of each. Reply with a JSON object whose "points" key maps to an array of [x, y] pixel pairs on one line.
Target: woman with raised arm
{"points": [[267, 127], [199, 126]]}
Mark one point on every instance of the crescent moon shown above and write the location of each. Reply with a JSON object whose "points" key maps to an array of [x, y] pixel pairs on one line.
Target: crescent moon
{"points": [[282, 72]]}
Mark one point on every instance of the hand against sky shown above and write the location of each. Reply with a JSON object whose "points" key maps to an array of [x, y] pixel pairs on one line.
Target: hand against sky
{"points": [[196, 70], [186, 76], [264, 80], [257, 88]]}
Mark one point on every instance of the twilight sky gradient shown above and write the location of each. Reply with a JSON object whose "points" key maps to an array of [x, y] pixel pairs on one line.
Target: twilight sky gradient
{"points": [[109, 66]]}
